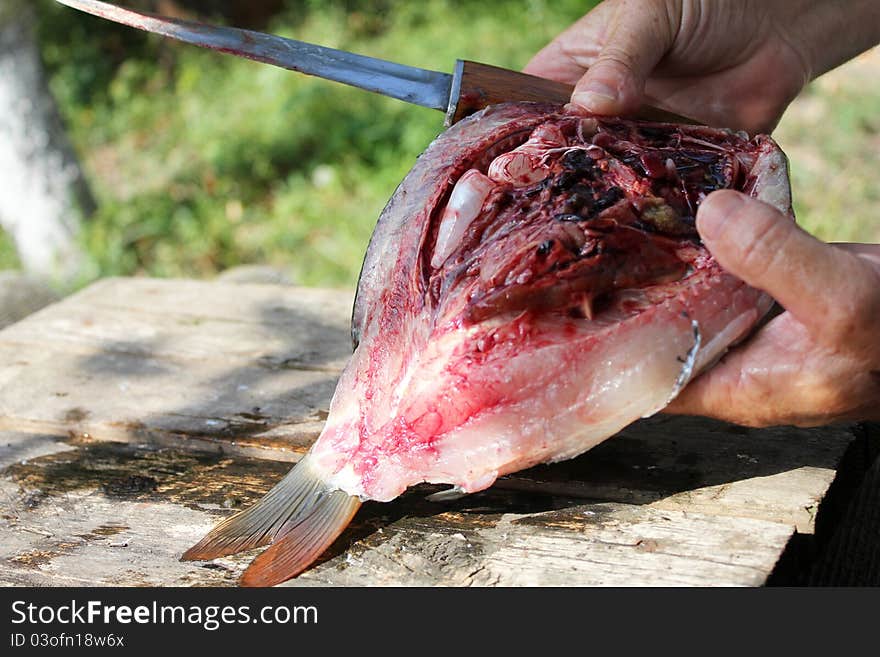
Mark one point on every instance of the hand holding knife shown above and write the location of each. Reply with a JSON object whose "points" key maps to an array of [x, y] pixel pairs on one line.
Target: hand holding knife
{"points": [[470, 87]]}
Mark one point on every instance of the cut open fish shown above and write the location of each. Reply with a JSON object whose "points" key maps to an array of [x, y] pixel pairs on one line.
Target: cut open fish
{"points": [[534, 285]]}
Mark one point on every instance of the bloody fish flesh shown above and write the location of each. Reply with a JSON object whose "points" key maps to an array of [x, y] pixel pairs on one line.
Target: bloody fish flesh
{"points": [[534, 285]]}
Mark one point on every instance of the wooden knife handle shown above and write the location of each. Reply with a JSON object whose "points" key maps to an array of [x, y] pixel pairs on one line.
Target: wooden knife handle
{"points": [[475, 86]]}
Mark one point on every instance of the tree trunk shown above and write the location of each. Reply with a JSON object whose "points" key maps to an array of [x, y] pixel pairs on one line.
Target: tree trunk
{"points": [[43, 194]]}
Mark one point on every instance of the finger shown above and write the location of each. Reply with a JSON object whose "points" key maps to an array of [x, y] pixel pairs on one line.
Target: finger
{"points": [[569, 55], [740, 388], [830, 291], [869, 252], [781, 376], [637, 37], [765, 381]]}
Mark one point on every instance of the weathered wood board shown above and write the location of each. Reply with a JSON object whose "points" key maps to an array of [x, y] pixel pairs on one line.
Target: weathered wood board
{"points": [[138, 412], [245, 366]]}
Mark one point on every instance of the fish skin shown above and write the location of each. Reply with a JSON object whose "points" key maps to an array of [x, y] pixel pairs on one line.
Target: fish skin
{"points": [[436, 393]]}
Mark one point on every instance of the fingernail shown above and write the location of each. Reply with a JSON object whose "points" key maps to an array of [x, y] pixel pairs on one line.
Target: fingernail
{"points": [[713, 216], [596, 96]]}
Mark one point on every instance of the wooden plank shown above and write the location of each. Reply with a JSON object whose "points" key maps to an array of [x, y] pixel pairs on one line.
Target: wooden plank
{"points": [[106, 514], [193, 363], [780, 474], [97, 513], [144, 399], [248, 369], [276, 327], [96, 389], [581, 545]]}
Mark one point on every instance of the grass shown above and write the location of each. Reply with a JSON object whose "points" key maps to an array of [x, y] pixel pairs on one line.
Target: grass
{"points": [[832, 137], [201, 161]]}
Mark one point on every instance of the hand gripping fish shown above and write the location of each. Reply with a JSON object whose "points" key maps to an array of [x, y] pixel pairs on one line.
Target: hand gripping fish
{"points": [[534, 285]]}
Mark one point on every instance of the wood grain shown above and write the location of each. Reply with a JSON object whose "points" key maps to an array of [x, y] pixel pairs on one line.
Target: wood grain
{"points": [[137, 413], [245, 369]]}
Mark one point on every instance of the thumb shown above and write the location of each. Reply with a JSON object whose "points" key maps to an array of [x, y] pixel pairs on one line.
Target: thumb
{"points": [[636, 39], [823, 287]]}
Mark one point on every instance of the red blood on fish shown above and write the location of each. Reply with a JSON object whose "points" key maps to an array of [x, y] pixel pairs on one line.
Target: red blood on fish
{"points": [[535, 284]]}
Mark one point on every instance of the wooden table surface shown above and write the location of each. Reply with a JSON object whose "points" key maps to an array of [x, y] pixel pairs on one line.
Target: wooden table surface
{"points": [[138, 412]]}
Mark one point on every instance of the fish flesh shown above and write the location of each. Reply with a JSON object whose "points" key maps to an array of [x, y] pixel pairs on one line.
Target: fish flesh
{"points": [[534, 285]]}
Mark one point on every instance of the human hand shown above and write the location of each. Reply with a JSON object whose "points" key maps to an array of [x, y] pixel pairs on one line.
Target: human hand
{"points": [[817, 362], [734, 64]]}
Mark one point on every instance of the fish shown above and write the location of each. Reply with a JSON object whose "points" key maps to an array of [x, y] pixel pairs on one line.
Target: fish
{"points": [[534, 285]]}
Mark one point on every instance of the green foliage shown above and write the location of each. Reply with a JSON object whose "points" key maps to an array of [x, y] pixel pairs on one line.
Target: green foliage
{"points": [[832, 137], [202, 161]]}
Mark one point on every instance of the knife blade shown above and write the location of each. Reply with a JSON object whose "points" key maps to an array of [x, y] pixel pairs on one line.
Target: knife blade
{"points": [[470, 87]]}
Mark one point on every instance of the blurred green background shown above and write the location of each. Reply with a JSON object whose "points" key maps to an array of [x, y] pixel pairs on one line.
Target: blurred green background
{"points": [[201, 162]]}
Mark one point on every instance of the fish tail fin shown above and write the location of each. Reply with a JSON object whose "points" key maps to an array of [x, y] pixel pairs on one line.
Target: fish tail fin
{"points": [[304, 541], [301, 516]]}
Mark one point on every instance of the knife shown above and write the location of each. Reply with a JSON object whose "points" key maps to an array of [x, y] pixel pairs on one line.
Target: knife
{"points": [[471, 86]]}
